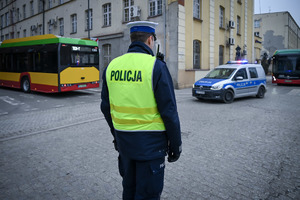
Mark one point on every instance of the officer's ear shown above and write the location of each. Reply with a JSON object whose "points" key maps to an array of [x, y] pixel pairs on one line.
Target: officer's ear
{"points": [[150, 41]]}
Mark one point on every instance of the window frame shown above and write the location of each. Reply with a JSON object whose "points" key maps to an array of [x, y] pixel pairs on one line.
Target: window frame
{"points": [[221, 62], [155, 10], [221, 17], [197, 9], [106, 14], [61, 26], [89, 21], [73, 23], [127, 4], [106, 49], [196, 54], [238, 25]]}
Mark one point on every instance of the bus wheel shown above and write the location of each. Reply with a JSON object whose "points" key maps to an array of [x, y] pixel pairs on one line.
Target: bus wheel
{"points": [[261, 92], [25, 84], [228, 96]]}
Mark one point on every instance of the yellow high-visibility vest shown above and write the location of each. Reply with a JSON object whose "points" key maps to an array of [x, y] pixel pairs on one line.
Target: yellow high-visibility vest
{"points": [[132, 103]]}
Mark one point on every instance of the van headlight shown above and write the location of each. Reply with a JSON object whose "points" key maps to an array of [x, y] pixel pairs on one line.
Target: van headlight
{"points": [[216, 87]]}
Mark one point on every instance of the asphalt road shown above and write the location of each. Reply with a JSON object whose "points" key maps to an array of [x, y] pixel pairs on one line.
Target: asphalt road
{"points": [[58, 146]]}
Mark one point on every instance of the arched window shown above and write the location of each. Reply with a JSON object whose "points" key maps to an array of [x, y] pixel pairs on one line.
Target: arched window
{"points": [[106, 49], [221, 55], [196, 54]]}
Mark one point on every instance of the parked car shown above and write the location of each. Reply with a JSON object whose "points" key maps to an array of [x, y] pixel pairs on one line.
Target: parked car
{"points": [[233, 80]]}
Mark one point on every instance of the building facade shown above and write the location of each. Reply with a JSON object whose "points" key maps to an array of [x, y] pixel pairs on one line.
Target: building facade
{"points": [[194, 35], [278, 31]]}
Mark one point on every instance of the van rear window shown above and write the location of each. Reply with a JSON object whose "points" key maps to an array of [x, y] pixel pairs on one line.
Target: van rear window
{"points": [[253, 72]]}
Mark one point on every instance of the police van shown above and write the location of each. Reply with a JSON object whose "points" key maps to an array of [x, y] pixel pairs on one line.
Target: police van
{"points": [[233, 80]]}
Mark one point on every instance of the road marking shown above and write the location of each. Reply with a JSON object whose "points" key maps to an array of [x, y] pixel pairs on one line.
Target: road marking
{"points": [[3, 113], [51, 129], [58, 106], [30, 109], [294, 92], [11, 101]]}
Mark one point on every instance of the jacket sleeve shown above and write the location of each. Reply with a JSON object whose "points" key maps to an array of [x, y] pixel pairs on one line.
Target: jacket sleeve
{"points": [[105, 106], [166, 103]]}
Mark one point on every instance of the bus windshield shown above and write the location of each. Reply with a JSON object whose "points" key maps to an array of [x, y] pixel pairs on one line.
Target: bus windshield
{"points": [[220, 73], [76, 55], [286, 64]]}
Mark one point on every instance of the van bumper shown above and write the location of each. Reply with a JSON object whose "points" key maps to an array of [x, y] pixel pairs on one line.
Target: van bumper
{"points": [[208, 94]]}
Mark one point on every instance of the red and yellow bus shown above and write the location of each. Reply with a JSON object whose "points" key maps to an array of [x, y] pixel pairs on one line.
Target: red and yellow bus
{"points": [[49, 63]]}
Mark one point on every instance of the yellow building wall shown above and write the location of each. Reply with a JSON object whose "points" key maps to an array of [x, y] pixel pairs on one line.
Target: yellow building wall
{"points": [[196, 29]]}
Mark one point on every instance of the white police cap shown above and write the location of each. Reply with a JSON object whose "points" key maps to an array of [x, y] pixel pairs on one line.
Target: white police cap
{"points": [[142, 26]]}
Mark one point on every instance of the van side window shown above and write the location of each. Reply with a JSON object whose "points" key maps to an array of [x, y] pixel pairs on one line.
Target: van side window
{"points": [[253, 72], [242, 73]]}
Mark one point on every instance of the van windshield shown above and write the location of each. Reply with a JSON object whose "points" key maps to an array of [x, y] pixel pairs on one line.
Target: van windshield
{"points": [[220, 73]]}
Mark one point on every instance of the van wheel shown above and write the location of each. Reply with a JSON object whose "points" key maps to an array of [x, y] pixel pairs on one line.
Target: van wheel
{"points": [[228, 96], [261, 92], [25, 85]]}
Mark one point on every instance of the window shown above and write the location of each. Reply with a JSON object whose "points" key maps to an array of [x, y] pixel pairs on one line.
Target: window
{"points": [[256, 23], [107, 14], [242, 73], [41, 2], [106, 54], [238, 25], [196, 9], [74, 23], [40, 29], [31, 8], [127, 5], [2, 21], [24, 11], [50, 4], [253, 72], [61, 26], [50, 30], [221, 55], [89, 19], [18, 15], [18, 34], [12, 35], [6, 19], [12, 16], [155, 7], [24, 33], [61, 1], [222, 17], [196, 54]]}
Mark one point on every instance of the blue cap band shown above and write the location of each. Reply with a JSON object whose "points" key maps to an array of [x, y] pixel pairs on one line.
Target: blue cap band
{"points": [[146, 29]]}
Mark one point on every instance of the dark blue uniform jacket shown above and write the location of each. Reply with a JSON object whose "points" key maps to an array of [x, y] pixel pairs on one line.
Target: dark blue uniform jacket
{"points": [[149, 145]]}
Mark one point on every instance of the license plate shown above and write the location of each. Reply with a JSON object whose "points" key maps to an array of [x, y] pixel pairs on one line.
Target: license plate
{"points": [[81, 86], [200, 92], [287, 81]]}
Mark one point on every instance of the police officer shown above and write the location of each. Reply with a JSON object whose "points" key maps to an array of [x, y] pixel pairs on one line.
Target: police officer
{"points": [[139, 105]]}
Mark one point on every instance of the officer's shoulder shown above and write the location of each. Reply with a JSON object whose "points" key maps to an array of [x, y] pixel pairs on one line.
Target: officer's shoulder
{"points": [[160, 63]]}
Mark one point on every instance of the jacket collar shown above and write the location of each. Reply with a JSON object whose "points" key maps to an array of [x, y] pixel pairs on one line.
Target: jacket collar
{"points": [[140, 47]]}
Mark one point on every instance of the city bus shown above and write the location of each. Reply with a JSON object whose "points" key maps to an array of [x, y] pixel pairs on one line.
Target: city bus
{"points": [[49, 63], [286, 66]]}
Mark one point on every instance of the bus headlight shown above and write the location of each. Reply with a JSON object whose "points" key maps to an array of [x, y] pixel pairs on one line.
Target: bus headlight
{"points": [[216, 87]]}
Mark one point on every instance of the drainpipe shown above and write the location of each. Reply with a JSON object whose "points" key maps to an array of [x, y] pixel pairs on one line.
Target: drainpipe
{"points": [[165, 27], [89, 19], [43, 17]]}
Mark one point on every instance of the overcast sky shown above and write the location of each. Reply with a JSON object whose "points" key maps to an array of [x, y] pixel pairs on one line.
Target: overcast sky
{"points": [[266, 6]]}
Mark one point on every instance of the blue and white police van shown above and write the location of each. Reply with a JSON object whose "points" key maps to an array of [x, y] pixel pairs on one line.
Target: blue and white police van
{"points": [[233, 80]]}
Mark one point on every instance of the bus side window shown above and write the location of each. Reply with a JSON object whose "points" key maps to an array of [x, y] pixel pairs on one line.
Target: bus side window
{"points": [[298, 64]]}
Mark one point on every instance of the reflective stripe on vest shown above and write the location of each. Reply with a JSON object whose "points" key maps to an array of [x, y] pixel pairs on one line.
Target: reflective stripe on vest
{"points": [[132, 103]]}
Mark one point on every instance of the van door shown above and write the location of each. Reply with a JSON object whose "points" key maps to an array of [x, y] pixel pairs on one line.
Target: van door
{"points": [[253, 85], [241, 86]]}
